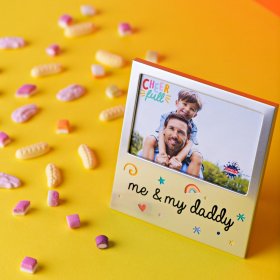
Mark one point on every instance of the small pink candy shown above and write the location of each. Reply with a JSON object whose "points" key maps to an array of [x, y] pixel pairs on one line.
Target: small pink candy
{"points": [[29, 265], [102, 241], [26, 90], [65, 20], [53, 50], [22, 207], [11, 42], [73, 221], [124, 29], [53, 198], [4, 139]]}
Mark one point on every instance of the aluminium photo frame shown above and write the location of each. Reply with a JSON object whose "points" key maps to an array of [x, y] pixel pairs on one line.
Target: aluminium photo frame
{"points": [[192, 156]]}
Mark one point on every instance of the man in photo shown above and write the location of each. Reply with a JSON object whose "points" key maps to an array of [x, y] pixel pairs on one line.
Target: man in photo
{"points": [[187, 105], [176, 134]]}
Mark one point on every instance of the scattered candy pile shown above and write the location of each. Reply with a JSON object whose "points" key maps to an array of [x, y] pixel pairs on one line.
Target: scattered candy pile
{"points": [[23, 114]]}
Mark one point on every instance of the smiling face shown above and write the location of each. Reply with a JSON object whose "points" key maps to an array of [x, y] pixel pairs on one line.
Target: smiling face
{"points": [[175, 136], [186, 109]]}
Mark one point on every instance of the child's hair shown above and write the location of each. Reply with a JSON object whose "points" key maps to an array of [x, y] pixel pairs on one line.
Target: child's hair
{"points": [[190, 96]]}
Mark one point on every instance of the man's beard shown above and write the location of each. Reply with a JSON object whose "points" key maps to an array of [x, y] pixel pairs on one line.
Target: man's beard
{"points": [[173, 149]]}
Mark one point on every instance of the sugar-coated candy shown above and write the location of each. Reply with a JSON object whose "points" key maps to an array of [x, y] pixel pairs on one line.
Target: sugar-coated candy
{"points": [[53, 50], [65, 20], [73, 221], [102, 241], [63, 127], [8, 181], [70, 93], [32, 151], [11, 42], [87, 10], [53, 198], [97, 71], [54, 177], [29, 265], [79, 29], [152, 56], [4, 139], [113, 91], [26, 90], [21, 208], [109, 59], [124, 29], [88, 156], [46, 70], [24, 113], [112, 113]]}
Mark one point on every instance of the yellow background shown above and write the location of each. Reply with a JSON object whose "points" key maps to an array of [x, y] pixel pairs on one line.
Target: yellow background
{"points": [[232, 43]]}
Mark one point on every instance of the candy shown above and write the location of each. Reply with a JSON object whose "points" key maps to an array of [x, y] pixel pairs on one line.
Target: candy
{"points": [[29, 265], [8, 181], [53, 198], [88, 156], [54, 177], [102, 241], [63, 127], [21, 208], [79, 29], [70, 93], [46, 70], [53, 50], [152, 56], [24, 113], [26, 90], [112, 113], [109, 59], [65, 20], [97, 71], [11, 42], [113, 91], [32, 151], [87, 10], [4, 139], [73, 221], [124, 29]]}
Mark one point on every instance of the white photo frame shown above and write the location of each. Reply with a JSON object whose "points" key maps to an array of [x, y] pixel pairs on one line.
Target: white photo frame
{"points": [[214, 203]]}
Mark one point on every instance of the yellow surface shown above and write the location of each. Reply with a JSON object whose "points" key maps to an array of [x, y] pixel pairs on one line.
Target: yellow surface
{"points": [[233, 43]]}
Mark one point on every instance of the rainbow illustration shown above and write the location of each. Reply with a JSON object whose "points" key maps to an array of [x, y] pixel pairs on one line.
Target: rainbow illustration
{"points": [[191, 188]]}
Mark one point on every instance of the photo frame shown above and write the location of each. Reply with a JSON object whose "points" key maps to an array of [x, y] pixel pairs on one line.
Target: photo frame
{"points": [[192, 156]]}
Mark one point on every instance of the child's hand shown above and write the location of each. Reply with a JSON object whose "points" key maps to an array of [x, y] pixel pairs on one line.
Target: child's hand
{"points": [[175, 163], [162, 159]]}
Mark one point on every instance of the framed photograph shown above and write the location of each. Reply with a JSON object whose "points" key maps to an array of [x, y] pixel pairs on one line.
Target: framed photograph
{"points": [[192, 156]]}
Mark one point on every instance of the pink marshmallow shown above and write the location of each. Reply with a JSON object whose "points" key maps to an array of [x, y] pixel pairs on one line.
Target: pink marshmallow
{"points": [[65, 20], [124, 29], [53, 50], [73, 221], [11, 43], [53, 198], [4, 139], [24, 113], [26, 90], [21, 208], [29, 265], [102, 242]]}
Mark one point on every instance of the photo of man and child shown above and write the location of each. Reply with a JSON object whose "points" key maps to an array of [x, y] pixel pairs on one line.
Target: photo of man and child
{"points": [[195, 134]]}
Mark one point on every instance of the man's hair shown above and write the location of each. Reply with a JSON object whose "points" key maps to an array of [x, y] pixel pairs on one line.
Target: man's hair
{"points": [[190, 96], [181, 118]]}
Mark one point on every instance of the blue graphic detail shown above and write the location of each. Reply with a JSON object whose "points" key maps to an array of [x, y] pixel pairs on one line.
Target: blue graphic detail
{"points": [[240, 217], [161, 181], [197, 230], [231, 169]]}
